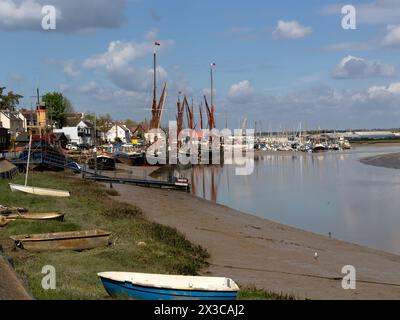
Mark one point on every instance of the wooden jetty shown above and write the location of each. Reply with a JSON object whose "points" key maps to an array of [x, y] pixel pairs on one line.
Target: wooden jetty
{"points": [[177, 184]]}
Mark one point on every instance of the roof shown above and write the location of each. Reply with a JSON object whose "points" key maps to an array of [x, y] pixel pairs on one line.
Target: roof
{"points": [[59, 135], [10, 115]]}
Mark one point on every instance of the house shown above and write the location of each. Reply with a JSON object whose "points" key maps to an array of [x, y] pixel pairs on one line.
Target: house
{"points": [[79, 132], [13, 121], [119, 131], [4, 139]]}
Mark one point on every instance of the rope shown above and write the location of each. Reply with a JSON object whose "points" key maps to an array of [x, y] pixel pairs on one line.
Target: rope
{"points": [[307, 275]]}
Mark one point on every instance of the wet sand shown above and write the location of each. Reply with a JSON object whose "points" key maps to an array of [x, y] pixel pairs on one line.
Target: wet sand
{"points": [[11, 287], [275, 257], [391, 161]]}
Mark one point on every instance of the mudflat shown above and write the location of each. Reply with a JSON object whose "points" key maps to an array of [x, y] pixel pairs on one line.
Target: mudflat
{"points": [[271, 256], [391, 160]]}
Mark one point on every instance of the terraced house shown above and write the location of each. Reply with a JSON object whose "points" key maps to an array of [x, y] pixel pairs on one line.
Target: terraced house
{"points": [[4, 139]]}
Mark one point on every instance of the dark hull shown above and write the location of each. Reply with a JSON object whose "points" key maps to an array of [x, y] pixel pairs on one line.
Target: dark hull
{"points": [[106, 164]]}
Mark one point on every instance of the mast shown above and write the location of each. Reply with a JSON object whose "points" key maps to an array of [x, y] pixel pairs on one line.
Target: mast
{"points": [[29, 158], [212, 124], [153, 123], [154, 77]]}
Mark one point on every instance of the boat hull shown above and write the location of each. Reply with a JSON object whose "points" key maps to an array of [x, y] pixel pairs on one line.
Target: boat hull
{"points": [[36, 216], [76, 241], [128, 290], [39, 191]]}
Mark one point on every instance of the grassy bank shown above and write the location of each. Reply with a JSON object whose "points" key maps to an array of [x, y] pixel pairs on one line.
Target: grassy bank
{"points": [[137, 244]]}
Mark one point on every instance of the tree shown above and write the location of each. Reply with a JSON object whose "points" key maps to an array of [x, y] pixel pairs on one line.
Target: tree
{"points": [[68, 107], [130, 124], [9, 101], [103, 123], [56, 105]]}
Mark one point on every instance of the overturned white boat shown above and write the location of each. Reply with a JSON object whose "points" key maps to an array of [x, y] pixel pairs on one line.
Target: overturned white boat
{"points": [[39, 191]]}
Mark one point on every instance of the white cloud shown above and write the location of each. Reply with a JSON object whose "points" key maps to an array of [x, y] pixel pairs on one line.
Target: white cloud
{"points": [[72, 15], [119, 54], [14, 14], [70, 69], [290, 30], [241, 92], [379, 91], [392, 38], [372, 107], [118, 63], [357, 68]]}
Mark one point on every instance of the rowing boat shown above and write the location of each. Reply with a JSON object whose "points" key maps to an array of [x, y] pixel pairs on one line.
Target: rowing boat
{"points": [[144, 286], [36, 216], [39, 191], [76, 240], [6, 210]]}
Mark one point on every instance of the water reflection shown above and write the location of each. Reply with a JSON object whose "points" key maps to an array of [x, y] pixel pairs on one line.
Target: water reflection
{"points": [[331, 192]]}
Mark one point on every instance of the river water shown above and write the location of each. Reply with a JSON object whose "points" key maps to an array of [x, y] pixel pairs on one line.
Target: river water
{"points": [[324, 193]]}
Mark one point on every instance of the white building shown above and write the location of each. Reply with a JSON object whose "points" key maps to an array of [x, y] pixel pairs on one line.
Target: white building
{"points": [[119, 131], [14, 121], [81, 133]]}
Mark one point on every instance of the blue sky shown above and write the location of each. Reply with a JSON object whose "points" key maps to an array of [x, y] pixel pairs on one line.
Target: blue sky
{"points": [[277, 62]]}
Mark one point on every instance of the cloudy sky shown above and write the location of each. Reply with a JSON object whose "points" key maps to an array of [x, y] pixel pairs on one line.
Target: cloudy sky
{"points": [[277, 62]]}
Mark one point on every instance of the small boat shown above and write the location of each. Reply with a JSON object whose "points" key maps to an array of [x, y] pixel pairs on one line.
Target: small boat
{"points": [[39, 191], [3, 221], [76, 240], [319, 147], [7, 210], [182, 182], [143, 286], [35, 216], [102, 162]]}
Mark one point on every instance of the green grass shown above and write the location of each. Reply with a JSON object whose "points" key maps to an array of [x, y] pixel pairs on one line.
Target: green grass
{"points": [[252, 293], [137, 244]]}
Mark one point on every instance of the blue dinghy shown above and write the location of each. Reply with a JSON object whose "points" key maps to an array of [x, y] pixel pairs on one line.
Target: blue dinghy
{"points": [[143, 286]]}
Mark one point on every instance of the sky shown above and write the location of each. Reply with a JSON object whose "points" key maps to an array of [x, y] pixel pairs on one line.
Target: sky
{"points": [[278, 63]]}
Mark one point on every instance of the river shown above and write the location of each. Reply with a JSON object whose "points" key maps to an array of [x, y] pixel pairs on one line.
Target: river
{"points": [[323, 193]]}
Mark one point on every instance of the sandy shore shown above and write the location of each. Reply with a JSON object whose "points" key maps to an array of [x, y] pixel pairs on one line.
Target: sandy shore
{"points": [[391, 160], [275, 257], [11, 287]]}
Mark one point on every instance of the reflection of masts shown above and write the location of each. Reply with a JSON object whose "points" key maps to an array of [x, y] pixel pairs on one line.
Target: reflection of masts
{"points": [[213, 186]]}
